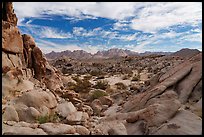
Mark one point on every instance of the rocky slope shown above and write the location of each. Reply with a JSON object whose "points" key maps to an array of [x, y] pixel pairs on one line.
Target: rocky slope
{"points": [[164, 94]]}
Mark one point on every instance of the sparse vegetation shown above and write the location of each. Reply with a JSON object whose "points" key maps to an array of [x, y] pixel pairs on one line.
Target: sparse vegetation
{"points": [[53, 117], [81, 85], [101, 84], [120, 85], [97, 94]]}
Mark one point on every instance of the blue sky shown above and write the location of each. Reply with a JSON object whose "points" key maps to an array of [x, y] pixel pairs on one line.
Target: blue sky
{"points": [[94, 26]]}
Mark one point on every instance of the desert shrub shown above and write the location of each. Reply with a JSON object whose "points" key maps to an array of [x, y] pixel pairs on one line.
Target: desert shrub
{"points": [[120, 85], [101, 84], [82, 85], [136, 78], [97, 94], [53, 117]]}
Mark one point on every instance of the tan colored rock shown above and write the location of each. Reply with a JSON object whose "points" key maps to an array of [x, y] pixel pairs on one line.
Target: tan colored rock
{"points": [[77, 117], [65, 108], [15, 59], [57, 128], [37, 99], [81, 130], [6, 62], [183, 123], [10, 114], [26, 114], [16, 130], [110, 128]]}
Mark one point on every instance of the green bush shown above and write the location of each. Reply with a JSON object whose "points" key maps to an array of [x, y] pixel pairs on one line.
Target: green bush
{"points": [[97, 94], [120, 85], [48, 118], [81, 85], [101, 84]]}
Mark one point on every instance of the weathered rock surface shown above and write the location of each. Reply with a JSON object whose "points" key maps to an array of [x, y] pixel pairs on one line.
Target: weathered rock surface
{"points": [[81, 130], [16, 130], [10, 114], [184, 123], [77, 118], [110, 128], [57, 128], [65, 108]]}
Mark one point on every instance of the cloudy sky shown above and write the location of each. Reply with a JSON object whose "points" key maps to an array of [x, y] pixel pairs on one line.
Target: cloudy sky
{"points": [[93, 26]]}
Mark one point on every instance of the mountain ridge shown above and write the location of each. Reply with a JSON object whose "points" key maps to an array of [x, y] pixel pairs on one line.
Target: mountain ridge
{"points": [[111, 53]]}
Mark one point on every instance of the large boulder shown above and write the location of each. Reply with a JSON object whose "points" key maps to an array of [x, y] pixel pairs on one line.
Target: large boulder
{"points": [[65, 108], [37, 99], [33, 104], [10, 114], [77, 118]]}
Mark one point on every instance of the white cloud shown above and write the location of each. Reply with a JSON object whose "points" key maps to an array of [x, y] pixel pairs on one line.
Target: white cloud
{"points": [[112, 10], [47, 46], [48, 32], [148, 17], [196, 37], [129, 37], [154, 17]]}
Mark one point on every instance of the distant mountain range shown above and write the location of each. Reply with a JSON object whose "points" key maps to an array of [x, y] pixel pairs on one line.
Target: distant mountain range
{"points": [[115, 52]]}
